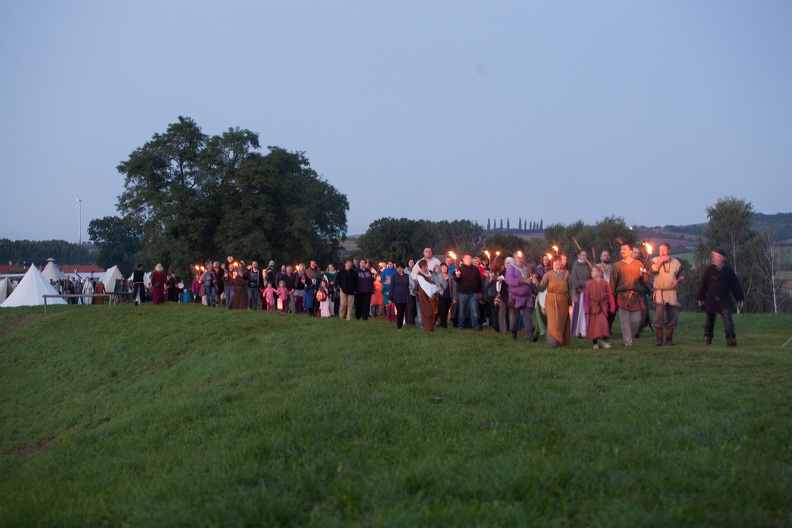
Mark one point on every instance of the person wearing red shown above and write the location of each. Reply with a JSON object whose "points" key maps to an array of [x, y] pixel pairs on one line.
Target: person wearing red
{"points": [[158, 279], [599, 303]]}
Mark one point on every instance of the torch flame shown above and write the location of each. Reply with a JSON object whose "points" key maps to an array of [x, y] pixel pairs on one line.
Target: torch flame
{"points": [[452, 255], [648, 247], [556, 249], [519, 253], [488, 254], [549, 256]]}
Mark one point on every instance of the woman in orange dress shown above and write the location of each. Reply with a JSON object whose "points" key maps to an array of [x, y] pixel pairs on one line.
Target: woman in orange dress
{"points": [[556, 304]]}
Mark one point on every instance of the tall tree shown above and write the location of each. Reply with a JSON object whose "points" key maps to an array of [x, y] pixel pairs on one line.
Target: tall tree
{"points": [[729, 227], [117, 241], [769, 263], [193, 197]]}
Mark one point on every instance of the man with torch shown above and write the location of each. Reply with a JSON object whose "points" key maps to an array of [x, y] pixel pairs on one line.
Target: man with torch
{"points": [[667, 272]]}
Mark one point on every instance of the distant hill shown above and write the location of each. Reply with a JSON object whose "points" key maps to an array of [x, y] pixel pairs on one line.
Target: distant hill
{"points": [[780, 224]]}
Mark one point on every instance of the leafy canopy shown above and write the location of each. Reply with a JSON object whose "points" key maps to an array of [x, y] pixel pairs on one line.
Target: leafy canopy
{"points": [[195, 197]]}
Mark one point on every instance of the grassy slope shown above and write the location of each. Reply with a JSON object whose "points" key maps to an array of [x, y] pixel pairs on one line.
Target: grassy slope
{"points": [[189, 416]]}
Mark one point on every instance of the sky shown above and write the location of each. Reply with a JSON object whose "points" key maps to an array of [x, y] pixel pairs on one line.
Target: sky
{"points": [[442, 110]]}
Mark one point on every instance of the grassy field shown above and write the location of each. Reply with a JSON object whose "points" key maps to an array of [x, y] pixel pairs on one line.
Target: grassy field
{"points": [[184, 416]]}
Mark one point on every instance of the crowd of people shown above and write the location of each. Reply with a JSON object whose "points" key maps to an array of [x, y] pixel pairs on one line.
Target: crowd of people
{"points": [[85, 286], [548, 297]]}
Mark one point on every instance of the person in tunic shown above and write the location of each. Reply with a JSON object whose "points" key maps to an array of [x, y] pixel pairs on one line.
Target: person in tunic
{"points": [[239, 300], [578, 277], [667, 273], [606, 265], [522, 288], [718, 285], [138, 285], [427, 291], [626, 284], [158, 279], [99, 288], [88, 289], [599, 304], [557, 304]]}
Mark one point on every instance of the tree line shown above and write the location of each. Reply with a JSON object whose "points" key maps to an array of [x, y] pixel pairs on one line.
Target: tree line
{"points": [[26, 252], [397, 239]]}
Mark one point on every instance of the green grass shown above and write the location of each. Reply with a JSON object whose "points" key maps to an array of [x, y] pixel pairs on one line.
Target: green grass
{"points": [[185, 416]]}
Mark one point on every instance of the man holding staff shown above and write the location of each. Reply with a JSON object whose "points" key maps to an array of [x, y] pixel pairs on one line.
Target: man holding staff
{"points": [[667, 273]]}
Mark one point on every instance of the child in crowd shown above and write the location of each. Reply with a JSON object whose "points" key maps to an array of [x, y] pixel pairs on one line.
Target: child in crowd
{"points": [[269, 296], [323, 296], [600, 302], [283, 296], [390, 312], [377, 300]]}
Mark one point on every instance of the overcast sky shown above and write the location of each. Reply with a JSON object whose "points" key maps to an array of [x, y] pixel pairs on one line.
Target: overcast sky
{"points": [[560, 111]]}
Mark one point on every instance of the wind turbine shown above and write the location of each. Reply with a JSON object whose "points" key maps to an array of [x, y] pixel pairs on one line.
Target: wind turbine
{"points": [[79, 218]]}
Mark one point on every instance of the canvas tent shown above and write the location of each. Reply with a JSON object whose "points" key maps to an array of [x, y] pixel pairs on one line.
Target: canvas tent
{"points": [[5, 289], [52, 272], [110, 277], [30, 290]]}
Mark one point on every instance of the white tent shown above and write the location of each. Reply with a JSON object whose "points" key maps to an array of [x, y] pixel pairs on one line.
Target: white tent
{"points": [[5, 288], [110, 277], [30, 290], [52, 272]]}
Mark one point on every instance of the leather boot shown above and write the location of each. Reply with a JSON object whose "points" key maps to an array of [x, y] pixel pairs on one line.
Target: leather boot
{"points": [[731, 340], [709, 340], [669, 337], [659, 334]]}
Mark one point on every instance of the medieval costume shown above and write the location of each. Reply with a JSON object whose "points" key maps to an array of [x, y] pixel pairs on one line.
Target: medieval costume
{"points": [[239, 300], [666, 277], [99, 288], [158, 279], [580, 274], [88, 289], [600, 304], [426, 297], [557, 306], [626, 284], [521, 296]]}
